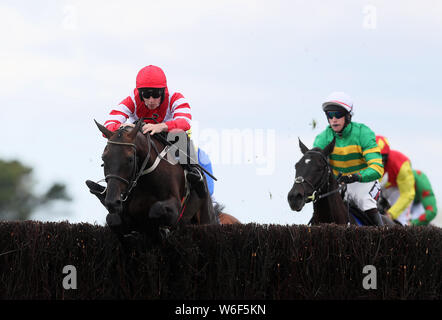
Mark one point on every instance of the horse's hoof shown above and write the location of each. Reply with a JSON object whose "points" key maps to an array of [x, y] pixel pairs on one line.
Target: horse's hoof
{"points": [[113, 220]]}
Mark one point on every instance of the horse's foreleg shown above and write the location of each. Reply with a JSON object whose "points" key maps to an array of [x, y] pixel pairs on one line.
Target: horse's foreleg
{"points": [[189, 212], [165, 213], [207, 212], [199, 211], [119, 228]]}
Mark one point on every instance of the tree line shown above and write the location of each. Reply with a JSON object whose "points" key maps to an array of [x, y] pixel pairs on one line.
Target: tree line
{"points": [[18, 199]]}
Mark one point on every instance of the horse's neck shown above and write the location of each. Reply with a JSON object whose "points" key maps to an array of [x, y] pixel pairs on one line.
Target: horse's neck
{"points": [[142, 142], [147, 146], [164, 172], [332, 207]]}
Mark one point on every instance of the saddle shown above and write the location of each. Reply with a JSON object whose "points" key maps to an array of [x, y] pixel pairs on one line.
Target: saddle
{"points": [[360, 217]]}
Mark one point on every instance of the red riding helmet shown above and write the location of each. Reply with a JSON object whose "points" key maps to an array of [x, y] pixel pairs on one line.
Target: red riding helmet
{"points": [[151, 77], [383, 144]]}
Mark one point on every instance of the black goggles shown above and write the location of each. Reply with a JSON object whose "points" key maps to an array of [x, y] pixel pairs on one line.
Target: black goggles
{"points": [[335, 114], [155, 93]]}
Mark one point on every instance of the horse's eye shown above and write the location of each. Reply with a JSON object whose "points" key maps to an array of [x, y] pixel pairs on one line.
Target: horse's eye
{"points": [[102, 164]]}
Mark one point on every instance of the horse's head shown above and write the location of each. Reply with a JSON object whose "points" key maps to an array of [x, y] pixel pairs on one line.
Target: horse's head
{"points": [[120, 164], [311, 175]]}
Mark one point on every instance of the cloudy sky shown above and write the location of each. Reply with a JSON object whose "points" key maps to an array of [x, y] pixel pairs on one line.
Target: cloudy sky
{"points": [[255, 73]]}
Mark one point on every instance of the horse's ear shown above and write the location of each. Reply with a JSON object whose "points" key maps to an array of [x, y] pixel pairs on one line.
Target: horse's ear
{"points": [[329, 148], [133, 133], [107, 133], [304, 149]]}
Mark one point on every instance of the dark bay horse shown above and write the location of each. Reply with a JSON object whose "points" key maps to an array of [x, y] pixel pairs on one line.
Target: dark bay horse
{"points": [[146, 191], [315, 182]]}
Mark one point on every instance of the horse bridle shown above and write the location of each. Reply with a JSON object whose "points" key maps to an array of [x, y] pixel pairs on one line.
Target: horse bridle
{"points": [[324, 182], [136, 174]]}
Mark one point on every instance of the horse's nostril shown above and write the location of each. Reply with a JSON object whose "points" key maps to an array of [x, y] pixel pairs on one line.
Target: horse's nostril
{"points": [[294, 196], [291, 197], [296, 201]]}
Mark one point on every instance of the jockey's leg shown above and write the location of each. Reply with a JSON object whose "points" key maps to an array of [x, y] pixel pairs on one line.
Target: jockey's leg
{"points": [[363, 195], [205, 163], [194, 173], [196, 180]]}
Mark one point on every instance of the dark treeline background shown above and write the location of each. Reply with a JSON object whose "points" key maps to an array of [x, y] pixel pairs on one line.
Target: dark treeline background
{"points": [[18, 198]]}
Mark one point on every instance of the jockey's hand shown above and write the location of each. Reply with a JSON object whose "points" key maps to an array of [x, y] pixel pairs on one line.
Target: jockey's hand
{"points": [[389, 215], [153, 128], [349, 178], [127, 124]]}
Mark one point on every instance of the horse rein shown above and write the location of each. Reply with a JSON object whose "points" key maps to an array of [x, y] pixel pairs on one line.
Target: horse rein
{"points": [[109, 176], [142, 171], [136, 174]]}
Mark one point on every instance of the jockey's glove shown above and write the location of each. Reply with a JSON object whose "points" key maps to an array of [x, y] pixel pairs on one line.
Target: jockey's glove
{"points": [[349, 178]]}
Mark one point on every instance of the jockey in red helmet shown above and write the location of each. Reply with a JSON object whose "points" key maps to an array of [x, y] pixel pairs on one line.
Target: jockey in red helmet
{"points": [[150, 97]]}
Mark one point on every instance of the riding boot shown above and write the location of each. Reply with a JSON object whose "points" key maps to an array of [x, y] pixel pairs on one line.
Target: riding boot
{"points": [[97, 190], [374, 215], [94, 188], [194, 174], [196, 181]]}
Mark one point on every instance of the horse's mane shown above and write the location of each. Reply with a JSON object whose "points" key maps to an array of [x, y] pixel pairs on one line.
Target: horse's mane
{"points": [[160, 137], [119, 132]]}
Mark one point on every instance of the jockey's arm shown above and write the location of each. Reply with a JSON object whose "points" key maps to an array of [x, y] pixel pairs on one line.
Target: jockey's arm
{"points": [[428, 200], [120, 114], [181, 117], [429, 204], [405, 183], [373, 158]]}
